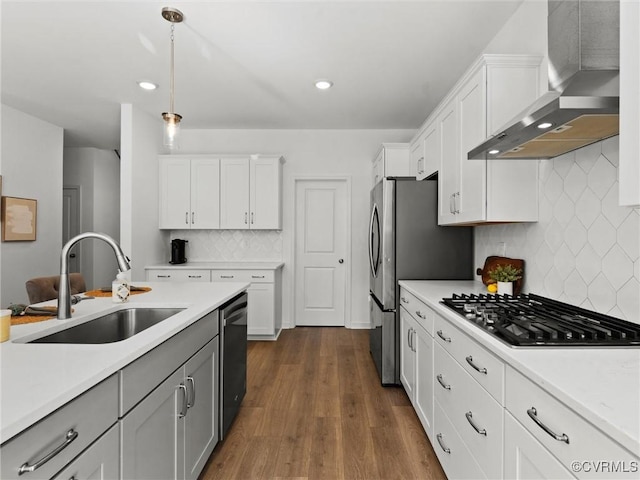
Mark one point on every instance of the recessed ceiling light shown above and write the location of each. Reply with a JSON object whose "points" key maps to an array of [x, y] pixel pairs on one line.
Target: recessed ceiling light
{"points": [[493, 152], [545, 125], [324, 84], [147, 85]]}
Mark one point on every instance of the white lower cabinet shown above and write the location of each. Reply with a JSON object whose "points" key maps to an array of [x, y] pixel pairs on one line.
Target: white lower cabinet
{"points": [[172, 432], [526, 458], [407, 355], [264, 313]]}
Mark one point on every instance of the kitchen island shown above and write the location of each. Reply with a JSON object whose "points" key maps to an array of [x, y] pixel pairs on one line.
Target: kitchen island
{"points": [[588, 399], [38, 379]]}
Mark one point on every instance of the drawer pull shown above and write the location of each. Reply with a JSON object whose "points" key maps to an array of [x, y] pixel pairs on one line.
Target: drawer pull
{"points": [[195, 276], [442, 445], [534, 416], [226, 276], [475, 367], [185, 404], [441, 335], [163, 276], [404, 300], [68, 438], [481, 431], [441, 381], [424, 317], [257, 276], [192, 401]]}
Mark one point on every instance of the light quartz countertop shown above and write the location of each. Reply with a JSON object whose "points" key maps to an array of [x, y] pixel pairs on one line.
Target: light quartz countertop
{"points": [[600, 384], [220, 266], [36, 379]]}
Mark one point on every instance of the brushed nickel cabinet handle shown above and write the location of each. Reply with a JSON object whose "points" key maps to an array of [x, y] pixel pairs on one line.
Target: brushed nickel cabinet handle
{"points": [[186, 218], [195, 276], [404, 300], [419, 313], [192, 401], [193, 217], [163, 276], [533, 414], [441, 381], [442, 445], [185, 404], [257, 276], [226, 276], [469, 360], [245, 217], [252, 218], [441, 335], [69, 437], [481, 431]]}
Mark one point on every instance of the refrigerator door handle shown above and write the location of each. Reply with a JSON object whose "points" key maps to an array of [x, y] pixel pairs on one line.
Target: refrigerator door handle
{"points": [[372, 264]]}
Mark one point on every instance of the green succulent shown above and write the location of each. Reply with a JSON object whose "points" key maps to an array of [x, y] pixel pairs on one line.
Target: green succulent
{"points": [[505, 273]]}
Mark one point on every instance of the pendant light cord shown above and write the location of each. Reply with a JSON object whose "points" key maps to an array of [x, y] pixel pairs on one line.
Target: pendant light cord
{"points": [[172, 82]]}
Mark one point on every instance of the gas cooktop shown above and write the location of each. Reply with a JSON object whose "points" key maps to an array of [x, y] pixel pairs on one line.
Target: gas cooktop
{"points": [[530, 320]]}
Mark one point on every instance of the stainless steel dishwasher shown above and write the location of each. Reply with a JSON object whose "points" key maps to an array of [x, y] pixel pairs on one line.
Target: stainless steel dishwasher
{"points": [[233, 359]]}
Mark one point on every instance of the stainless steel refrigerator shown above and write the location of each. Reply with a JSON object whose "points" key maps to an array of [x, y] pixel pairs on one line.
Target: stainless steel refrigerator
{"points": [[406, 243]]}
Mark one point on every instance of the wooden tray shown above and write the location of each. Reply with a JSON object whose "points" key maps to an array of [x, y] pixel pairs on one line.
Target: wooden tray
{"points": [[491, 262]]}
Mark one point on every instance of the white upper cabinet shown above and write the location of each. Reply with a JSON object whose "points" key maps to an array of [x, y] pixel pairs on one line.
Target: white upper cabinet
{"points": [[393, 160], [492, 91], [251, 193], [425, 150], [189, 192]]}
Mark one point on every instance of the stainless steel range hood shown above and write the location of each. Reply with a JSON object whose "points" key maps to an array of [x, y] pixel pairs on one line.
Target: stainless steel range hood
{"points": [[582, 104]]}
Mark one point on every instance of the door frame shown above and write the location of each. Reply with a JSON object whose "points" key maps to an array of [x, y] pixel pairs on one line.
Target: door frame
{"points": [[78, 247], [347, 256]]}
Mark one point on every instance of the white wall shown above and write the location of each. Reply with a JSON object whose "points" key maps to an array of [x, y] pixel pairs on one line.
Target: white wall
{"points": [[309, 153], [97, 173], [140, 144], [31, 168]]}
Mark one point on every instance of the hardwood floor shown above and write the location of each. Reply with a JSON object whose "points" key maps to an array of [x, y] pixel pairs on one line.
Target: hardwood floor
{"points": [[315, 409]]}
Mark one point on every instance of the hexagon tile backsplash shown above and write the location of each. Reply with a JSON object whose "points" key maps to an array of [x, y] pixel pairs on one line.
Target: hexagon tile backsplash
{"points": [[585, 248], [232, 245]]}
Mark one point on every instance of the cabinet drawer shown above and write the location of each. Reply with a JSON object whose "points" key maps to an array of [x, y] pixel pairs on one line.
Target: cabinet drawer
{"points": [[422, 314], [178, 275], [251, 276], [576, 439], [455, 458], [143, 375], [88, 415], [487, 369], [467, 405]]}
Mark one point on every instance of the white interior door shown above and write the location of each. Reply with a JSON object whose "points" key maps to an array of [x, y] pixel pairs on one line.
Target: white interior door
{"points": [[321, 263]]}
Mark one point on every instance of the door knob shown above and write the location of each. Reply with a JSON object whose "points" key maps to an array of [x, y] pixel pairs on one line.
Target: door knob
{"points": [[73, 255], [341, 260]]}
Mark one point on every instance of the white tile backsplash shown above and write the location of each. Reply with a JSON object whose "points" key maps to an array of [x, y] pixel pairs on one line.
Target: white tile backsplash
{"points": [[232, 245], [585, 248]]}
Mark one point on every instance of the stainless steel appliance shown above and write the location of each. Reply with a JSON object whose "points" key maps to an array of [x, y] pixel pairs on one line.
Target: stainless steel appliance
{"points": [[178, 251], [530, 320], [233, 359], [406, 243]]}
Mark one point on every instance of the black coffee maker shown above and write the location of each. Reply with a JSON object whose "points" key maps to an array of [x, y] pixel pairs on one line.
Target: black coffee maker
{"points": [[178, 251]]}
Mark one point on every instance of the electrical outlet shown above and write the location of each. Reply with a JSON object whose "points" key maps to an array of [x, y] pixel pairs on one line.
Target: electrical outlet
{"points": [[502, 249]]}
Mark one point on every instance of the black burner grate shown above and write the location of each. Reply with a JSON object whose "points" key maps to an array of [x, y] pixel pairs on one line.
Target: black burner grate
{"points": [[533, 320]]}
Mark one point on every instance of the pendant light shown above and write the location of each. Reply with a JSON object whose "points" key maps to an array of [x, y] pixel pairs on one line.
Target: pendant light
{"points": [[172, 119]]}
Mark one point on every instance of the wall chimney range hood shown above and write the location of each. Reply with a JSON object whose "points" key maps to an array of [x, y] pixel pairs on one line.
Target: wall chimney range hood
{"points": [[582, 104]]}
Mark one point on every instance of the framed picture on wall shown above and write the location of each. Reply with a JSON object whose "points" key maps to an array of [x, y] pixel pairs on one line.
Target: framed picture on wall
{"points": [[19, 217]]}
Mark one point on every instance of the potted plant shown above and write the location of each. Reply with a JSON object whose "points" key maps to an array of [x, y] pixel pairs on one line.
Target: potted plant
{"points": [[505, 275]]}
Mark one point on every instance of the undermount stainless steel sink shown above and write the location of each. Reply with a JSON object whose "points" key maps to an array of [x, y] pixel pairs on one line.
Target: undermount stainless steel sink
{"points": [[113, 327]]}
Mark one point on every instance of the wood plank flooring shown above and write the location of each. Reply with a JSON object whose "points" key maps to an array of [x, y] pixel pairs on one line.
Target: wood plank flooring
{"points": [[315, 409]]}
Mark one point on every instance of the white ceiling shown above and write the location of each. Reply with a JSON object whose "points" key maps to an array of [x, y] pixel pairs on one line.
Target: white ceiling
{"points": [[240, 64]]}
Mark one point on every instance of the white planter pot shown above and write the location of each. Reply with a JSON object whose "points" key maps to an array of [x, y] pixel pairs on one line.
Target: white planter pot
{"points": [[505, 288]]}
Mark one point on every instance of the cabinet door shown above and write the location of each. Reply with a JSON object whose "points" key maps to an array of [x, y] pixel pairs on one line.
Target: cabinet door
{"points": [[265, 178], [416, 154], [431, 161], [473, 173], [424, 380], [151, 433], [205, 193], [234, 193], [448, 178], [201, 421], [261, 309], [175, 196], [101, 461], [407, 356], [525, 457], [378, 168]]}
